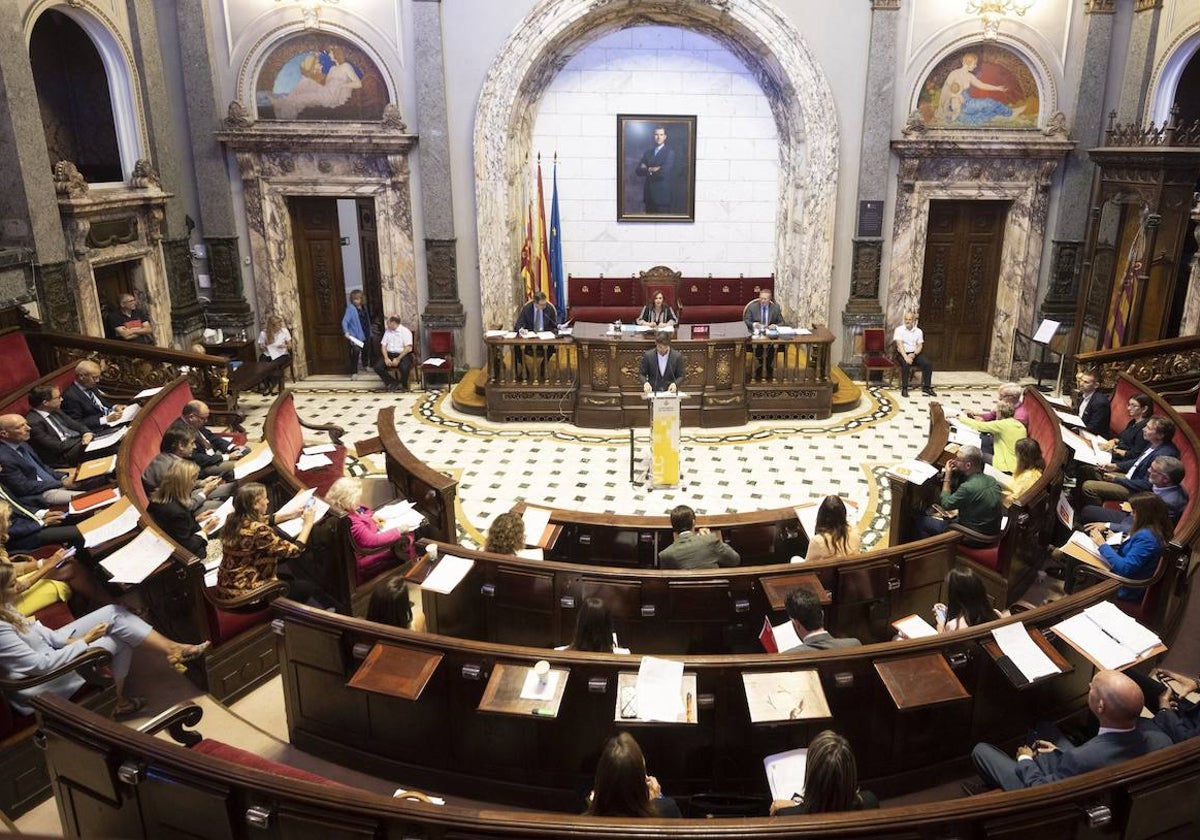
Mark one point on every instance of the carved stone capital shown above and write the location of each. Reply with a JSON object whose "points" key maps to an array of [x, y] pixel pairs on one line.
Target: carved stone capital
{"points": [[885, 5], [1146, 5], [76, 231]]}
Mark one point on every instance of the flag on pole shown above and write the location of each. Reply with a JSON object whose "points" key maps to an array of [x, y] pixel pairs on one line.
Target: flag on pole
{"points": [[1122, 308], [557, 278], [527, 252], [541, 266]]}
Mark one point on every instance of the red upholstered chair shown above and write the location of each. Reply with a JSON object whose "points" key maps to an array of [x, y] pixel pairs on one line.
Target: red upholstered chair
{"points": [[1144, 609], [876, 356], [441, 346]]}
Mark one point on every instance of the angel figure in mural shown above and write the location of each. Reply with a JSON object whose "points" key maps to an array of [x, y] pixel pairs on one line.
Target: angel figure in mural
{"points": [[326, 81], [957, 104]]}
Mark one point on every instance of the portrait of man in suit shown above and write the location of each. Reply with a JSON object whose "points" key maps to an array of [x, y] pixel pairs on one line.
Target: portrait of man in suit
{"points": [[656, 166]]}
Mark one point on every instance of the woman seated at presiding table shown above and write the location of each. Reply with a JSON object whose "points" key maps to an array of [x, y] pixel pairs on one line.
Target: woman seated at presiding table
{"points": [[657, 313], [390, 604], [835, 536], [375, 547], [27, 648], [830, 781], [507, 534], [966, 603], [47, 580], [1030, 466], [623, 788], [171, 508], [1006, 430], [1138, 555], [255, 554], [594, 629]]}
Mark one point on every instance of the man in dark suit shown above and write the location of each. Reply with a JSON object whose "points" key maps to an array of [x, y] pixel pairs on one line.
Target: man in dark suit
{"points": [[694, 549], [83, 401], [214, 454], [1133, 474], [539, 315], [59, 439], [759, 315], [1116, 701], [1093, 406], [808, 619], [26, 532], [661, 369], [657, 166], [25, 475]]}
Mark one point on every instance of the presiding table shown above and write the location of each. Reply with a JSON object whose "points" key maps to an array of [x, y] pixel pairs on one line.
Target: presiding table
{"points": [[591, 376]]}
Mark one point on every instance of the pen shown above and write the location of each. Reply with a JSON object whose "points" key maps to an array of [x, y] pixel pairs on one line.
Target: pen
{"points": [[688, 704], [541, 712]]}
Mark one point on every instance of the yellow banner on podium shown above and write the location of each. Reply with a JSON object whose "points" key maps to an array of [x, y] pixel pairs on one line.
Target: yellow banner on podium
{"points": [[664, 440]]}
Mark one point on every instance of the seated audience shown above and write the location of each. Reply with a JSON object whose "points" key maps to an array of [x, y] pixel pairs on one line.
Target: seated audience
{"points": [[694, 549], [396, 362], [1092, 405], [27, 648], [29, 530], [1115, 700], [58, 438], [255, 554], [1005, 431], [25, 475], [966, 603], [1138, 556], [1030, 466], [830, 781], [623, 788], [657, 313], [390, 604], [507, 534], [834, 537], [83, 401], [1132, 440], [594, 629], [170, 508], [1131, 475], [975, 498], [178, 444], [375, 547], [1166, 479], [808, 618], [46, 580], [128, 323], [274, 345], [214, 454]]}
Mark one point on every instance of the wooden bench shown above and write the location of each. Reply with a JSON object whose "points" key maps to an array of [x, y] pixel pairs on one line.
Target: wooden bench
{"points": [[284, 431], [432, 493]]}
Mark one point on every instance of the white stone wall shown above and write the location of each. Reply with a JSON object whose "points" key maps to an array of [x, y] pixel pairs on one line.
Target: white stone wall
{"points": [[669, 71]]}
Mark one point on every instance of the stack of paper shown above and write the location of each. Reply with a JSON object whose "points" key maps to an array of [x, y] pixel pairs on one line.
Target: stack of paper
{"points": [[257, 458], [785, 773], [434, 361], [310, 462], [1070, 419], [120, 518], [1107, 636], [319, 449], [130, 411], [105, 441], [293, 527], [965, 436], [914, 627], [399, 514], [914, 471], [660, 689], [536, 520], [135, 561], [1016, 643], [1085, 451], [447, 574]]}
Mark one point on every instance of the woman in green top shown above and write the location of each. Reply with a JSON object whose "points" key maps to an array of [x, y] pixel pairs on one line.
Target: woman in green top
{"points": [[1005, 431]]}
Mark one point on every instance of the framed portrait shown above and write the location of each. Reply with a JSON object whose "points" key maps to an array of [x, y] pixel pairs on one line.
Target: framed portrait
{"points": [[656, 168]]}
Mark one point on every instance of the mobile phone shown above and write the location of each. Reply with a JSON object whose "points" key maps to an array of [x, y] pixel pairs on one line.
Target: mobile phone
{"points": [[310, 504]]}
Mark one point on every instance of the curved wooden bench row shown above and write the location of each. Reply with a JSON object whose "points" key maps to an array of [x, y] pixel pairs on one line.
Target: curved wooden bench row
{"points": [[112, 780], [511, 600], [445, 741], [431, 492], [17, 400]]}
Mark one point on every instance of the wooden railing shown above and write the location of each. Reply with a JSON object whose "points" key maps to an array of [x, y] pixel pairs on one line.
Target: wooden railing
{"points": [[1171, 364]]}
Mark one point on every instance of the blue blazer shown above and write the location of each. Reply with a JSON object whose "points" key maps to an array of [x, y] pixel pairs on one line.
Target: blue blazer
{"points": [[1141, 476], [1102, 751], [1135, 558], [20, 477]]}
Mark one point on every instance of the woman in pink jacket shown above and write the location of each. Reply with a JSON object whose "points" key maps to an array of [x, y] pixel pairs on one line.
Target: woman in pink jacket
{"points": [[375, 547]]}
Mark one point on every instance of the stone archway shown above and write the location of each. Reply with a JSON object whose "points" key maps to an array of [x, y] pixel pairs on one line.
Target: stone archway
{"points": [[767, 43]]}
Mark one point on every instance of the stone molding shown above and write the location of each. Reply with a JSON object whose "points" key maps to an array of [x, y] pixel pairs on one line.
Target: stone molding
{"points": [[766, 41], [1100, 7]]}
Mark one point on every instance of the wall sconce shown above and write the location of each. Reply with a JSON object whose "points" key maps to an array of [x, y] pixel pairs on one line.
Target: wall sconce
{"points": [[310, 10], [994, 11]]}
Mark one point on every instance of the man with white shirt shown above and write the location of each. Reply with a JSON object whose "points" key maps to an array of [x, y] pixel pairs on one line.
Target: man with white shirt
{"points": [[25, 475], [1166, 479], [83, 400], [396, 363], [661, 369], [910, 342], [1093, 406], [1133, 474]]}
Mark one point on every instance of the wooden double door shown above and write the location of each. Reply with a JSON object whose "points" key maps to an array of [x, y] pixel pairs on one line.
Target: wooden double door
{"points": [[958, 288], [320, 277]]}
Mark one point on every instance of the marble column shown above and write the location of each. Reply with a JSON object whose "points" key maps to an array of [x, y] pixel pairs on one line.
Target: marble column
{"points": [[863, 309], [443, 309], [1139, 61], [1079, 171]]}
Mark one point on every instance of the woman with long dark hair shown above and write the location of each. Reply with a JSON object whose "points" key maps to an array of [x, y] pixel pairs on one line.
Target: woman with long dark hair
{"points": [[594, 628], [966, 602], [830, 780], [835, 536], [622, 787], [1139, 554], [657, 313]]}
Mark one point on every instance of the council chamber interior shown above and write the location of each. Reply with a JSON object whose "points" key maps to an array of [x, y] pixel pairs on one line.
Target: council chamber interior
{"points": [[490, 318]]}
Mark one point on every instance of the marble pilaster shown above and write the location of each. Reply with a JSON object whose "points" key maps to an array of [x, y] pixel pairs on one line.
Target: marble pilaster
{"points": [[1139, 61], [764, 39], [280, 160], [1017, 171]]}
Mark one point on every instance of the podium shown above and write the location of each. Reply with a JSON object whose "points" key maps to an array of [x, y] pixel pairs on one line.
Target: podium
{"points": [[664, 439]]}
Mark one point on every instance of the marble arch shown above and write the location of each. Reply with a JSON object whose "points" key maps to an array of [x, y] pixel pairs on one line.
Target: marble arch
{"points": [[767, 43], [1165, 81]]}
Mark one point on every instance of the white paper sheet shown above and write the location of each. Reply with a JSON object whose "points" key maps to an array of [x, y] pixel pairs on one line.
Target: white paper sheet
{"points": [[447, 574], [319, 449], [546, 335], [786, 637], [1003, 479], [1045, 331], [1070, 419], [1016, 643], [494, 333], [148, 393], [660, 689], [785, 773], [293, 527], [221, 514], [1087, 635], [531, 553], [1125, 629], [119, 519], [535, 689], [354, 341], [127, 415], [1066, 513], [1082, 540], [311, 462], [259, 457], [914, 627], [133, 562], [807, 514], [536, 519], [785, 331], [399, 514], [914, 471], [105, 441], [434, 361], [965, 436]]}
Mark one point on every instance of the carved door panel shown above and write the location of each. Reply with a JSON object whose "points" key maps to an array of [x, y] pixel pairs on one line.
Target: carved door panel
{"points": [[319, 281], [958, 287], [368, 246]]}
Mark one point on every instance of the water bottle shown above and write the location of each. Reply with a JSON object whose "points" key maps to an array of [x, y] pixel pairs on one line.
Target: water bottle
{"points": [[431, 554]]}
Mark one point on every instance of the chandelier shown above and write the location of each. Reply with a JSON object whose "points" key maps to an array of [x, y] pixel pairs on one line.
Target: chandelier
{"points": [[994, 11], [310, 10]]}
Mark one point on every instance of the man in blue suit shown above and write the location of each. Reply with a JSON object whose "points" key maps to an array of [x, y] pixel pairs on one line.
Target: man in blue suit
{"points": [[661, 369], [657, 166], [1093, 406], [1116, 701], [1133, 474], [25, 475]]}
